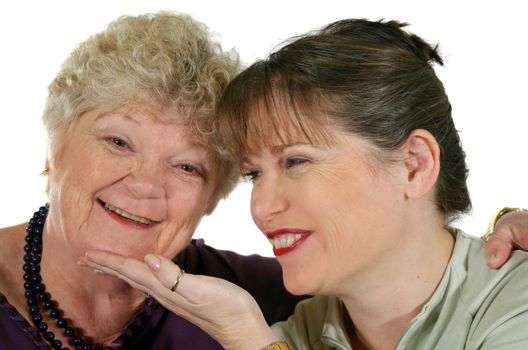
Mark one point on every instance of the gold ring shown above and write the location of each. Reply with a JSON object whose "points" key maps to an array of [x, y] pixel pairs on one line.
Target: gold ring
{"points": [[177, 281]]}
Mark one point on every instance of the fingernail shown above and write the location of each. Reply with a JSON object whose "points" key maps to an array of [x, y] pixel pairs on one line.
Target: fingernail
{"points": [[492, 256], [491, 259], [153, 261]]}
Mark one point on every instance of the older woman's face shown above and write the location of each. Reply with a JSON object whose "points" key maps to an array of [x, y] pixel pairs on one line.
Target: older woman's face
{"points": [[330, 212], [129, 181]]}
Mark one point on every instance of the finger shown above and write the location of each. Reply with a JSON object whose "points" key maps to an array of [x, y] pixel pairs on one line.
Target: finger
{"points": [[513, 226], [130, 270], [184, 299], [179, 287], [497, 251], [144, 276], [194, 290], [520, 238]]}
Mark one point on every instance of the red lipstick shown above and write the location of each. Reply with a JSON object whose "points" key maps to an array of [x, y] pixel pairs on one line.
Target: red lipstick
{"points": [[286, 240]]}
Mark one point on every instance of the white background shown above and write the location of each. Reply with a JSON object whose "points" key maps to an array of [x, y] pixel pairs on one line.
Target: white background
{"points": [[484, 44]]}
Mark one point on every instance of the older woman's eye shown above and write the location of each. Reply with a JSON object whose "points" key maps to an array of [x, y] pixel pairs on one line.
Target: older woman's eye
{"points": [[190, 169], [250, 175], [294, 161], [118, 142]]}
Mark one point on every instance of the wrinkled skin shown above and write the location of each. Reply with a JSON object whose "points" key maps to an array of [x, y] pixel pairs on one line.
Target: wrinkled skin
{"points": [[228, 313]]}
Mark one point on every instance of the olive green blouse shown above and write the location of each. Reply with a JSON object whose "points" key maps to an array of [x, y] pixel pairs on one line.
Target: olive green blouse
{"points": [[473, 308]]}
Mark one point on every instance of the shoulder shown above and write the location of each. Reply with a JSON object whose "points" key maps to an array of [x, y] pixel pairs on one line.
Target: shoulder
{"points": [[312, 319], [497, 300], [477, 282], [469, 262], [11, 253], [15, 331]]}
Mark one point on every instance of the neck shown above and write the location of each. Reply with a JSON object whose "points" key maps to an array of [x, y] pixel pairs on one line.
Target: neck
{"points": [[98, 304], [385, 299]]}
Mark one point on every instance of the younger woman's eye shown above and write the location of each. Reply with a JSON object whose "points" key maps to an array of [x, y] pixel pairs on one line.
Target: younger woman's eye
{"points": [[294, 161], [250, 175]]}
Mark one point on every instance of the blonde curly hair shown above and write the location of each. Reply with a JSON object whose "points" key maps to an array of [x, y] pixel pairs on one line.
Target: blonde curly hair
{"points": [[164, 59]]}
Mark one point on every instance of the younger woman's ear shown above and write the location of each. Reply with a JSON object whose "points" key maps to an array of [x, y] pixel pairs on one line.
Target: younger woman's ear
{"points": [[422, 163]]}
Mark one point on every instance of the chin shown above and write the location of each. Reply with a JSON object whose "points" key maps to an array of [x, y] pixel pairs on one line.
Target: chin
{"points": [[299, 286]]}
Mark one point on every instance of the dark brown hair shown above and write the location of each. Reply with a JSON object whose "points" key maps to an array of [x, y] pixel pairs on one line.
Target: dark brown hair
{"points": [[370, 78]]}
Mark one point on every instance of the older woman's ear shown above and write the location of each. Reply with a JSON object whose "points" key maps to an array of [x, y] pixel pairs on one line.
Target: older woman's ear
{"points": [[46, 165], [422, 163]]}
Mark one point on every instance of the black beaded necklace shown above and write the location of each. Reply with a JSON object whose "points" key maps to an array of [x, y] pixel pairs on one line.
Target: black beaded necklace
{"points": [[35, 290]]}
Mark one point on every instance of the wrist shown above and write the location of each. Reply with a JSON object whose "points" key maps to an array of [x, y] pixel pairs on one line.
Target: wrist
{"points": [[279, 345]]}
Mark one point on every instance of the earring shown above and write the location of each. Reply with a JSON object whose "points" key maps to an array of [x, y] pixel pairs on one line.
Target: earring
{"points": [[44, 172]]}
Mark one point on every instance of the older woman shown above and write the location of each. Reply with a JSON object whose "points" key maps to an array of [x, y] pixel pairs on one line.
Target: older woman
{"points": [[357, 171], [132, 169]]}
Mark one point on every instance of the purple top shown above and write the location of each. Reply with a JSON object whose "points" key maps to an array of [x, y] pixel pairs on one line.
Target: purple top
{"points": [[156, 328]]}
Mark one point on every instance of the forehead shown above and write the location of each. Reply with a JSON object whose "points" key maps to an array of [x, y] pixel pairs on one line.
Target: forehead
{"points": [[159, 126], [281, 121], [143, 114]]}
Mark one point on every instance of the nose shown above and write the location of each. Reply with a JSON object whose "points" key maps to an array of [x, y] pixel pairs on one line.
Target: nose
{"points": [[145, 180], [267, 200]]}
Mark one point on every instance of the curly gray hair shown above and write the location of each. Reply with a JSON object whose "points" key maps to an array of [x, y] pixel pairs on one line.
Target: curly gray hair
{"points": [[164, 59]]}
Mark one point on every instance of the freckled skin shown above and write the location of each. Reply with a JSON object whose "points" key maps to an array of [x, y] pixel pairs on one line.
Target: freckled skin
{"points": [[337, 195], [139, 161]]}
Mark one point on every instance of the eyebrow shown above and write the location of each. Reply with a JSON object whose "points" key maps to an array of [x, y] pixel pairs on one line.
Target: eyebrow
{"points": [[280, 148], [127, 117], [277, 149], [117, 114]]}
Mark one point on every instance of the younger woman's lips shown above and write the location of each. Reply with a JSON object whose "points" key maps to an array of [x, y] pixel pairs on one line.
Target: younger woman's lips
{"points": [[286, 240]]}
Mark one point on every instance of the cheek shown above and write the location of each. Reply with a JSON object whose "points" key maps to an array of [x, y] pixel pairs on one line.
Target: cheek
{"points": [[80, 173], [343, 203], [90, 165], [185, 212], [252, 203], [187, 202]]}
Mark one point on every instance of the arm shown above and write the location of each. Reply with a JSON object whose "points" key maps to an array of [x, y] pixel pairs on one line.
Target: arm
{"points": [[510, 232], [225, 311]]}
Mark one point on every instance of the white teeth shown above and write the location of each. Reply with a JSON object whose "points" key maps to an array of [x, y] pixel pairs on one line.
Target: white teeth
{"points": [[129, 216], [285, 241]]}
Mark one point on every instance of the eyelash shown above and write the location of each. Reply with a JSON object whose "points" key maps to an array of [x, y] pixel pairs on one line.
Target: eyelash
{"points": [[289, 163], [250, 175], [295, 161], [123, 145], [191, 170], [118, 142]]}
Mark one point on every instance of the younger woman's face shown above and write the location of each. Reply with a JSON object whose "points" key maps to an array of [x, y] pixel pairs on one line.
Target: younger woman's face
{"points": [[331, 212]]}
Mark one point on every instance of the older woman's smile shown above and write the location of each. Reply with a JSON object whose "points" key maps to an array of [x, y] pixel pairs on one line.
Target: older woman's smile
{"points": [[119, 213]]}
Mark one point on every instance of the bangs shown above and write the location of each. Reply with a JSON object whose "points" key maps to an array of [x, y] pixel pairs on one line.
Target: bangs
{"points": [[260, 109]]}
